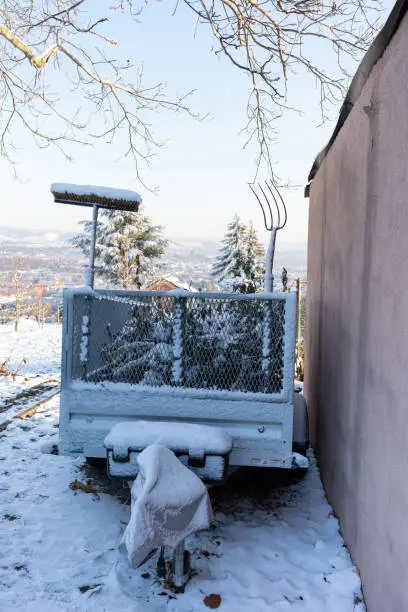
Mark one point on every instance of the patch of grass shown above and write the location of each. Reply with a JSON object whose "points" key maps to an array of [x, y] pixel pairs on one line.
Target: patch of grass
{"points": [[117, 487]]}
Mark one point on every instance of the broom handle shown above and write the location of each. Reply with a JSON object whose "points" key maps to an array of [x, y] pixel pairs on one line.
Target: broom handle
{"points": [[90, 273]]}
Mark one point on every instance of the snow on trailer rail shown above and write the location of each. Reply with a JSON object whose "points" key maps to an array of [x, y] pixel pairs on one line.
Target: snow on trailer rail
{"points": [[209, 358]]}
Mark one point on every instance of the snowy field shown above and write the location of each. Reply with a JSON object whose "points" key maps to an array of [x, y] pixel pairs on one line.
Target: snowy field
{"points": [[34, 356], [273, 546]]}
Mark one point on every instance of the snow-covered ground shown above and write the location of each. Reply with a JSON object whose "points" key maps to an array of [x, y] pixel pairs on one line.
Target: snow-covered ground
{"points": [[35, 354], [272, 547]]}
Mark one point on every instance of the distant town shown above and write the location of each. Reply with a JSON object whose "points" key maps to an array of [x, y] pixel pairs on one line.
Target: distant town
{"points": [[36, 266]]}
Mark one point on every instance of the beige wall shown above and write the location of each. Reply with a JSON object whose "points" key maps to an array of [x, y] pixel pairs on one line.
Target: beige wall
{"points": [[357, 337]]}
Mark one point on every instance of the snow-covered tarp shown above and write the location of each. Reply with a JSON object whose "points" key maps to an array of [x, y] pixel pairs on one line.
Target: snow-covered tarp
{"points": [[169, 503], [178, 436]]}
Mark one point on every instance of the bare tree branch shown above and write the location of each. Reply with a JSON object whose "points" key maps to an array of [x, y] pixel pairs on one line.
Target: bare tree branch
{"points": [[57, 14], [268, 40], [272, 39], [40, 37]]}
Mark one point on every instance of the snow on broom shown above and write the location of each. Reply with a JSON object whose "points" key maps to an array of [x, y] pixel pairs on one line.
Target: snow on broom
{"points": [[95, 197]]}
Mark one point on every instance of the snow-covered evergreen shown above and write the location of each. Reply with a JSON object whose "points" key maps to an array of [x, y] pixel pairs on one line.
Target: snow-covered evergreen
{"points": [[141, 352], [240, 265], [195, 343], [128, 247]]}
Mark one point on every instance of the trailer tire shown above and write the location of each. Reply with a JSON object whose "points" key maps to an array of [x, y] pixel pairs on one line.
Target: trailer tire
{"points": [[301, 448], [300, 442], [96, 462]]}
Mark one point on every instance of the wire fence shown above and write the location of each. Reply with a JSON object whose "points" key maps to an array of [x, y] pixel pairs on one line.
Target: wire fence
{"points": [[234, 343]]}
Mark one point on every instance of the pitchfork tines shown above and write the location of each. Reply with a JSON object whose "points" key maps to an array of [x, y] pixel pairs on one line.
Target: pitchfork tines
{"points": [[275, 216], [279, 205]]}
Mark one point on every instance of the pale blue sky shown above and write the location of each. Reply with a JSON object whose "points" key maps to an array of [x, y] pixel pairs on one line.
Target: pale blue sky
{"points": [[202, 170]]}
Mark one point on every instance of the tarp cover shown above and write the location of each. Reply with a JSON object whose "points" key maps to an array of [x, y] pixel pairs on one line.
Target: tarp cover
{"points": [[169, 502]]}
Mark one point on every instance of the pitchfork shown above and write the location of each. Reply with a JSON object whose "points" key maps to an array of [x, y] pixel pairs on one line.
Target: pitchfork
{"points": [[272, 224]]}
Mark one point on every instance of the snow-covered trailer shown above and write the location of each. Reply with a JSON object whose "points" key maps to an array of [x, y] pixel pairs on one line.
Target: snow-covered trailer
{"points": [[225, 360]]}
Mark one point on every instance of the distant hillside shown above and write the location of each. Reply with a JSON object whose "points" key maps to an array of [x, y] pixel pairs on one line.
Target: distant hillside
{"points": [[189, 258], [292, 256], [23, 239]]}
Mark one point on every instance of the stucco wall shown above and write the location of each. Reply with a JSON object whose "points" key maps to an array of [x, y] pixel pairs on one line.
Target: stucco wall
{"points": [[357, 337]]}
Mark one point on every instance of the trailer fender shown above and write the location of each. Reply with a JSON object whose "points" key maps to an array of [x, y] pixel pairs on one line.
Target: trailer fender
{"points": [[300, 424]]}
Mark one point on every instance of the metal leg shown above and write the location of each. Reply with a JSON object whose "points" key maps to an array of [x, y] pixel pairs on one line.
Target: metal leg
{"points": [[89, 280], [181, 567], [161, 564]]}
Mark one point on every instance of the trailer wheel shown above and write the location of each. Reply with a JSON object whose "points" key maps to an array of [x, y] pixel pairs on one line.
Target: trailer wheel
{"points": [[96, 462], [301, 448]]}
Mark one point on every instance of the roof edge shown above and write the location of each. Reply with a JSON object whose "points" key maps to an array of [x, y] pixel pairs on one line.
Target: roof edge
{"points": [[373, 54]]}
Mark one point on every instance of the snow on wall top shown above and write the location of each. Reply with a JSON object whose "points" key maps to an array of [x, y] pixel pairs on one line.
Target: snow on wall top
{"points": [[96, 194], [137, 435]]}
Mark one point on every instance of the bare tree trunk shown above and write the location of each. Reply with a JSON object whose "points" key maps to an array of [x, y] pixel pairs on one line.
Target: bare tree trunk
{"points": [[17, 321], [138, 283], [126, 279], [16, 279]]}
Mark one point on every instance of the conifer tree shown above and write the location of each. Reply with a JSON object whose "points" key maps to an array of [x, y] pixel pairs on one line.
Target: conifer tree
{"points": [[240, 264], [128, 247]]}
